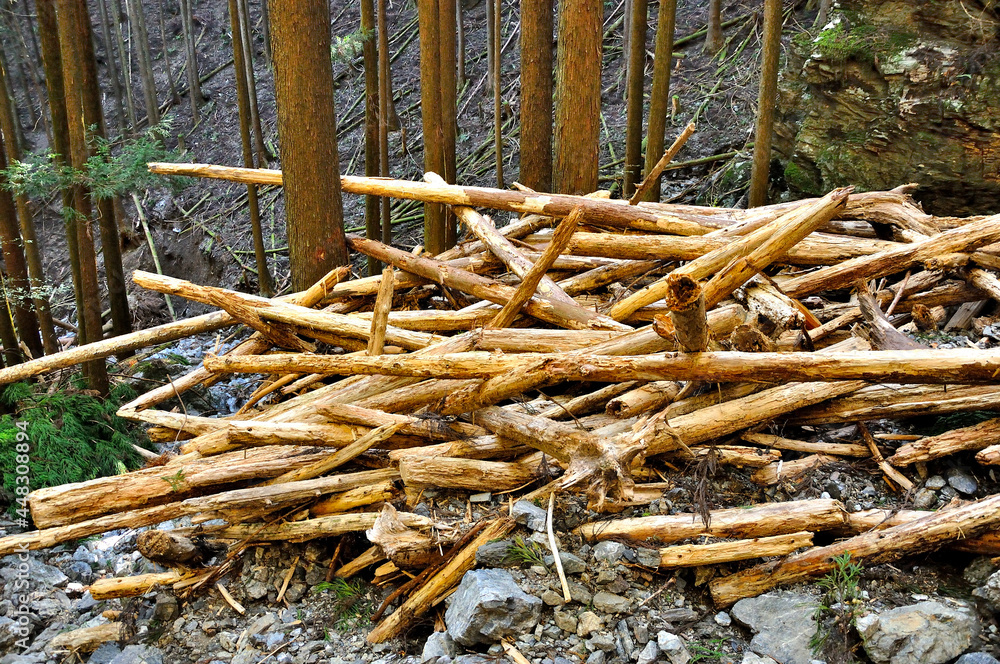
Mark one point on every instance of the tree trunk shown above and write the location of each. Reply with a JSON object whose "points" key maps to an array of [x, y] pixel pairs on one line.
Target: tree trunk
{"points": [[578, 96], [36, 272], [137, 19], [713, 37], [18, 283], [307, 128], [372, 203], [75, 45], [243, 101], [126, 61], [191, 56], [263, 156], [764, 125], [430, 114], [113, 73], [384, 107], [449, 106], [494, 27], [635, 83], [536, 94], [174, 97], [11, 348]]}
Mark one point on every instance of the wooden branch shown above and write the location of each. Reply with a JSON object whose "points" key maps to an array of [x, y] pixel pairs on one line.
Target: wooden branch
{"points": [[899, 478], [380, 316], [597, 210], [309, 529], [653, 176], [87, 639], [781, 443], [790, 470], [557, 313], [535, 275], [354, 498], [341, 456], [650, 396], [879, 331], [696, 555], [913, 366], [274, 496], [130, 586], [757, 521], [987, 544], [466, 474], [880, 546], [421, 601], [971, 438]]}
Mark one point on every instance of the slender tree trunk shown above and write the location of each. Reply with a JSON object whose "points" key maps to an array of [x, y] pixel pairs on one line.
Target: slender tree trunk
{"points": [[11, 349], [52, 62], [137, 19], [8, 94], [536, 94], [449, 107], [659, 94], [243, 101], [36, 273], [372, 203], [491, 43], [578, 96], [430, 114], [116, 84], [497, 101], [384, 106], [191, 57], [265, 31], [713, 38], [18, 282], [75, 43], [126, 62], [174, 97], [263, 156], [460, 45], [764, 126], [824, 13], [636, 79], [307, 131]]}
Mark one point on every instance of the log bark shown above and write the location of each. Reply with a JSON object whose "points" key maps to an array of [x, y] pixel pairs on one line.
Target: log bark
{"points": [[405, 547], [466, 474], [781, 443], [331, 525], [696, 555], [603, 211], [794, 471], [275, 496], [643, 399], [380, 315], [880, 546], [912, 366], [757, 521], [87, 639], [169, 549], [976, 437], [898, 401], [354, 498], [987, 544], [686, 302]]}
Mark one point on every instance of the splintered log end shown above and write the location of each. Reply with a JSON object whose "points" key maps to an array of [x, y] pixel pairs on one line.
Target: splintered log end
{"points": [[407, 548], [682, 292], [171, 550], [664, 327], [748, 339]]}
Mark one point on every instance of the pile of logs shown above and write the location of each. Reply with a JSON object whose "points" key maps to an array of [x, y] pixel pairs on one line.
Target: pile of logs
{"points": [[592, 346]]}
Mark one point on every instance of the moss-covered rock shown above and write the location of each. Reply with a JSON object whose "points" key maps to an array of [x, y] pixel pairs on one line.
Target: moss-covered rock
{"points": [[894, 92]]}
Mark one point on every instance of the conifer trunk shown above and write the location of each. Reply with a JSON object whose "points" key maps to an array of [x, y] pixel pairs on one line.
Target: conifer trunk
{"points": [[191, 57], [713, 37], [307, 131], [137, 19], [430, 114], [370, 54], [659, 94], [578, 96], [764, 126], [384, 106], [536, 94], [636, 79]]}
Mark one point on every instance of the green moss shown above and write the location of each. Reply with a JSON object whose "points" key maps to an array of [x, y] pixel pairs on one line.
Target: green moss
{"points": [[801, 179], [861, 42]]}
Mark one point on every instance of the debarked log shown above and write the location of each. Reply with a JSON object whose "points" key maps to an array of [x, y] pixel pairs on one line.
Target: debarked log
{"points": [[129, 586], [308, 529], [878, 546], [696, 555], [466, 474], [743, 523], [910, 366], [975, 437]]}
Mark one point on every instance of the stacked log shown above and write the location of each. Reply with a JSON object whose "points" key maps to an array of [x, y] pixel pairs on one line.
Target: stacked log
{"points": [[591, 347]]}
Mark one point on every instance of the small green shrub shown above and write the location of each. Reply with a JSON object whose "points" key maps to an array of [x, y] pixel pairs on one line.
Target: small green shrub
{"points": [[352, 608], [525, 551], [73, 437], [842, 606]]}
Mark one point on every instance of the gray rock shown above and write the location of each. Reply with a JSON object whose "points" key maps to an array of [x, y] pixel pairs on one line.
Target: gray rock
{"points": [[648, 557], [641, 632], [611, 603], [571, 564], [602, 641], [609, 552], [723, 619], [165, 609], [566, 621], [579, 592], [783, 624], [552, 598], [977, 658], [648, 654], [473, 659], [489, 605], [493, 554], [439, 644], [979, 570], [680, 615], [753, 658], [588, 622], [923, 633], [104, 654], [935, 482], [990, 592], [673, 648], [529, 514], [597, 657], [924, 499], [140, 655], [79, 571], [962, 481]]}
